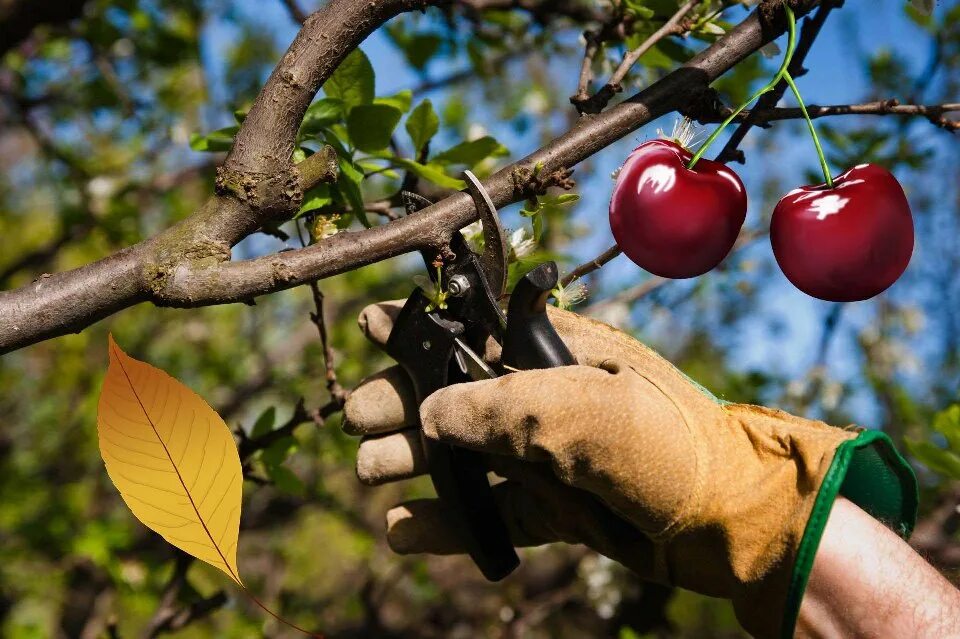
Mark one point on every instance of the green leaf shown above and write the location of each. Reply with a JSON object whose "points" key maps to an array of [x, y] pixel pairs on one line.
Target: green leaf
{"points": [[432, 173], [471, 153], [537, 227], [348, 183], [565, 198], [371, 125], [315, 198], [219, 140], [320, 115], [369, 167], [353, 81], [524, 265], [942, 462], [636, 8], [947, 423], [285, 480], [422, 125], [401, 100], [264, 423], [420, 48], [278, 451]]}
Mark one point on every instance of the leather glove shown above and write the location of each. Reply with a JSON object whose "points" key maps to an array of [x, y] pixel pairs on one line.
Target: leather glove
{"points": [[627, 455]]}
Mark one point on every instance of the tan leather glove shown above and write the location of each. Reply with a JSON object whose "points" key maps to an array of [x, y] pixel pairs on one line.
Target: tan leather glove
{"points": [[728, 500]]}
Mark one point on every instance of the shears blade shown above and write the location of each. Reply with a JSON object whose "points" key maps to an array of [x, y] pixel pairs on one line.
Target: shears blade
{"points": [[470, 363], [493, 260]]}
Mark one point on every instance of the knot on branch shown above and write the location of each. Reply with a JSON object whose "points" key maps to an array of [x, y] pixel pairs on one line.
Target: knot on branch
{"points": [[275, 196], [598, 101], [530, 182], [173, 253], [772, 16], [705, 106]]}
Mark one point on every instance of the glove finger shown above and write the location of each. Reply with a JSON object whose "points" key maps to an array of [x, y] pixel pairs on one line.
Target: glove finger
{"points": [[376, 320], [535, 513], [425, 525], [517, 414], [383, 402], [391, 457]]}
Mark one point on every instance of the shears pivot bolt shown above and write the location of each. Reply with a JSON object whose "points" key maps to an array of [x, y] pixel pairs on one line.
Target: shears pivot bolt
{"points": [[459, 284]]}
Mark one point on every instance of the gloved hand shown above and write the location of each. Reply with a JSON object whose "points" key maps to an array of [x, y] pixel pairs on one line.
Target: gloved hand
{"points": [[625, 454]]}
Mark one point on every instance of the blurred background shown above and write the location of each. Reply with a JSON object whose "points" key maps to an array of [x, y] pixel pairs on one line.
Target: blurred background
{"points": [[113, 117]]}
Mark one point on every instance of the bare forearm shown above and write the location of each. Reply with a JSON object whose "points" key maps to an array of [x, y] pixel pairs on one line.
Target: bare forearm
{"points": [[867, 582]]}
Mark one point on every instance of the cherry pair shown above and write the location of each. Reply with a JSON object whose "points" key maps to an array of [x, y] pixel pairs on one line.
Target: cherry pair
{"points": [[845, 240], [842, 242]]}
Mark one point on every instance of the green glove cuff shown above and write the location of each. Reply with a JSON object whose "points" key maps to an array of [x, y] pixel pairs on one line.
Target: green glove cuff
{"points": [[871, 473]]}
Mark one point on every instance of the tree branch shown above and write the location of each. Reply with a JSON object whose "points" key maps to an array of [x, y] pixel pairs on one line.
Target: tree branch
{"points": [[589, 267], [186, 266], [933, 112]]}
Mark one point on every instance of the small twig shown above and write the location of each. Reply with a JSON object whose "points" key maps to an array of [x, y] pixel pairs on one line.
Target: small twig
{"points": [[296, 12], [592, 265], [337, 391], [933, 112], [169, 599], [648, 286], [590, 51], [675, 25]]}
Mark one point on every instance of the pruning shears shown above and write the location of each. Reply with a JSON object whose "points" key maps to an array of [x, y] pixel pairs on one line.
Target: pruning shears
{"points": [[438, 344]]}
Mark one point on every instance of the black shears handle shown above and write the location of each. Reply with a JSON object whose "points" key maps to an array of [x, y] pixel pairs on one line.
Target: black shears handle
{"points": [[423, 343], [530, 341]]}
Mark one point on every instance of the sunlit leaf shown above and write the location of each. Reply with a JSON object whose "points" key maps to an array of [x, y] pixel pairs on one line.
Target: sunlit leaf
{"points": [[219, 140], [471, 153], [401, 100], [172, 458], [353, 81], [431, 173], [422, 125], [321, 113]]}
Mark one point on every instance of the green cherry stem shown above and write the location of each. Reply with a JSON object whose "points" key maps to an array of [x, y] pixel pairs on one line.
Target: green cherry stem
{"points": [[813, 131], [791, 40]]}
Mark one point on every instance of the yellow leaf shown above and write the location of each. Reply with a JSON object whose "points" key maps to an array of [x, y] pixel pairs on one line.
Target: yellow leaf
{"points": [[172, 458]]}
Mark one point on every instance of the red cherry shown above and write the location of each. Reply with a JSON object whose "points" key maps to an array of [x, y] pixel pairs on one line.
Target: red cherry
{"points": [[674, 221], [847, 243]]}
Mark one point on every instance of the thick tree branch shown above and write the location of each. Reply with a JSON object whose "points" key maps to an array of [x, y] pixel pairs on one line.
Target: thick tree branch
{"points": [[186, 265]]}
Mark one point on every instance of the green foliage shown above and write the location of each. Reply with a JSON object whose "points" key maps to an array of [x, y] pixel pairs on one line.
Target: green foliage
{"points": [[371, 126], [944, 461], [422, 125], [264, 423], [471, 153], [353, 81], [219, 140]]}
